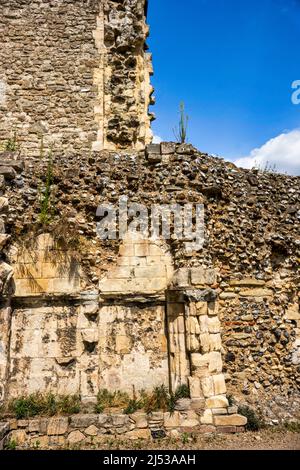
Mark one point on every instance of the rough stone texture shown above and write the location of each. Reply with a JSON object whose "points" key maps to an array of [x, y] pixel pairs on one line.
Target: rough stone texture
{"points": [[241, 320], [75, 73], [51, 351], [78, 430]]}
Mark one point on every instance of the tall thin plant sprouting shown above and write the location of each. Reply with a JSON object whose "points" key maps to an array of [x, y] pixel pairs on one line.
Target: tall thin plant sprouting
{"points": [[45, 208], [180, 132]]}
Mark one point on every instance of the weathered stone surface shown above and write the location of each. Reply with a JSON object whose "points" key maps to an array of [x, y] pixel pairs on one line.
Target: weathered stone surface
{"points": [[183, 404], [139, 434], [250, 259], [219, 384], [207, 385], [218, 401], [167, 147], [172, 420], [195, 387], [84, 421], [197, 403], [91, 430], [57, 426], [75, 437], [140, 419], [207, 417], [230, 420]]}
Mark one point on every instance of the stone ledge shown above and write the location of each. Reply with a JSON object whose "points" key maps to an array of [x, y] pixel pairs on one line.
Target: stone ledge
{"points": [[80, 429]]}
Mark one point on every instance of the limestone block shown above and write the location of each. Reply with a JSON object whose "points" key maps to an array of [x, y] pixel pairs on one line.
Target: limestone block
{"points": [[189, 422], [197, 404], [167, 147], [217, 401], [155, 250], [102, 419], [215, 342], [207, 417], [205, 342], [149, 272], [142, 249], [123, 344], [256, 293], [90, 335], [203, 320], [139, 434], [193, 325], [215, 362], [219, 411], [201, 308], [28, 270], [195, 387], [248, 282], [172, 420], [201, 276], [140, 419], [193, 344], [75, 437], [34, 425], [198, 276], [200, 360], [207, 385], [126, 250], [120, 420], [213, 308], [57, 426], [227, 295], [219, 384], [91, 430], [230, 420], [180, 325], [181, 277], [121, 272], [214, 325]]}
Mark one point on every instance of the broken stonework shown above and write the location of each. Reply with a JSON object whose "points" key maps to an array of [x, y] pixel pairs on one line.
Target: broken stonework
{"points": [[79, 313]]}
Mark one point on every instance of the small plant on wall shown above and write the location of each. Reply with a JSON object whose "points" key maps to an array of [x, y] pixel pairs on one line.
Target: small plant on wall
{"points": [[45, 194], [180, 131]]}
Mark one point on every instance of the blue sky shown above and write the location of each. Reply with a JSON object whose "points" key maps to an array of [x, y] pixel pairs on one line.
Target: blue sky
{"points": [[232, 62]]}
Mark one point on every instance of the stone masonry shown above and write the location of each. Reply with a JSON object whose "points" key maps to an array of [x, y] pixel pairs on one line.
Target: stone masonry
{"points": [[79, 313], [74, 75]]}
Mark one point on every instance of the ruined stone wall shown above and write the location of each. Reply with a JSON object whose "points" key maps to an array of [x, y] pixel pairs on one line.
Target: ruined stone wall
{"points": [[123, 78], [74, 75], [10, 168], [232, 327]]}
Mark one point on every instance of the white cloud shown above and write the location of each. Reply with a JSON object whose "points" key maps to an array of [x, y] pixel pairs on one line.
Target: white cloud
{"points": [[157, 139], [283, 152]]}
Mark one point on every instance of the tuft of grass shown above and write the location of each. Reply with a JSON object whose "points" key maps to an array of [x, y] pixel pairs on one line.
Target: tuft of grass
{"points": [[106, 399], [182, 391], [11, 143], [44, 405], [292, 426], [11, 445], [133, 406], [254, 422], [180, 132], [159, 399]]}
